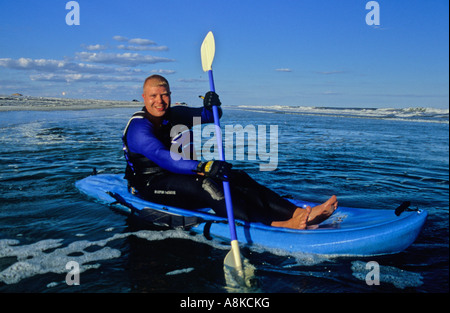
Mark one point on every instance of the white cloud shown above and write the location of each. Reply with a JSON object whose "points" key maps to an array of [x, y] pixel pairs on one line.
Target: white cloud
{"points": [[135, 41], [91, 66], [143, 48], [96, 47], [142, 42], [120, 38], [287, 70], [163, 71], [27, 63], [139, 44], [330, 93], [127, 59], [49, 65], [84, 78], [64, 71]]}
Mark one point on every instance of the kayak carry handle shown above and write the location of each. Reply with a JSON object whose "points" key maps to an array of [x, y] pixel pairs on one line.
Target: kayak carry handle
{"points": [[404, 207]]}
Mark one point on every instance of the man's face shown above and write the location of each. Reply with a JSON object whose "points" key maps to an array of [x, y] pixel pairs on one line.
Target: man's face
{"points": [[156, 99]]}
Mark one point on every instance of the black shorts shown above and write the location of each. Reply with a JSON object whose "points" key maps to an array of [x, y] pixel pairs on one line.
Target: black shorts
{"points": [[252, 202]]}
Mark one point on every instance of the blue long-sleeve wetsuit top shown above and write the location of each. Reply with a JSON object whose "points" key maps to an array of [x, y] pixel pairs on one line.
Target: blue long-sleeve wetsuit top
{"points": [[144, 137]]}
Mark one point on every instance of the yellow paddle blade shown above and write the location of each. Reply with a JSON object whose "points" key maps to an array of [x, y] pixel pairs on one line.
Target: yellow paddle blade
{"points": [[233, 258], [238, 274], [208, 50]]}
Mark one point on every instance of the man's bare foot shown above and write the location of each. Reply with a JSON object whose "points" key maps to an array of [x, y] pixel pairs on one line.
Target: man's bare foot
{"points": [[323, 211], [298, 220]]}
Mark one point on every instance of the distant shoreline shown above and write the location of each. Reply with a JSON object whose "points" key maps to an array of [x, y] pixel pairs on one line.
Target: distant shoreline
{"points": [[8, 108], [30, 103]]}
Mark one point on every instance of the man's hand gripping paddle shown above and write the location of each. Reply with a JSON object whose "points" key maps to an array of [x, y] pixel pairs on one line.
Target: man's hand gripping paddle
{"points": [[233, 260]]}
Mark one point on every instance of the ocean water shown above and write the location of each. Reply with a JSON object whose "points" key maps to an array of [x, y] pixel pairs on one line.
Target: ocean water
{"points": [[369, 158]]}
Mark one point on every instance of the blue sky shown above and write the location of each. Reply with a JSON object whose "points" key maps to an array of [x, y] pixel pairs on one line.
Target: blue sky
{"points": [[286, 52]]}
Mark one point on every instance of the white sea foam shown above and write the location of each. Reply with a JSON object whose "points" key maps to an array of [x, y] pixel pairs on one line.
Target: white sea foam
{"points": [[389, 274], [33, 259], [48, 256], [297, 258], [180, 271]]}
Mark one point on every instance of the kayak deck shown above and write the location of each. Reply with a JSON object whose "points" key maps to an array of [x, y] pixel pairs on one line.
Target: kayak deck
{"points": [[348, 232]]}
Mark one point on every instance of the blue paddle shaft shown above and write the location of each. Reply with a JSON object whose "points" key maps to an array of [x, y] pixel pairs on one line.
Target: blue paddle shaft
{"points": [[226, 185], [211, 81]]}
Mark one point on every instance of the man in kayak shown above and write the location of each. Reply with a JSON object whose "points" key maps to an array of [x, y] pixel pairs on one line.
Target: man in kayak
{"points": [[155, 175]]}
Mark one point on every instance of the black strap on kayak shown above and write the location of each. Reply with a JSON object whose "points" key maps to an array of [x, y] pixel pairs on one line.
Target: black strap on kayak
{"points": [[169, 220], [157, 217], [122, 201], [207, 230], [165, 219], [404, 207]]}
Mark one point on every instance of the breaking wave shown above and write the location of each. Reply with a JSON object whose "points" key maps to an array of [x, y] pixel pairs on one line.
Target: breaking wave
{"points": [[410, 114]]}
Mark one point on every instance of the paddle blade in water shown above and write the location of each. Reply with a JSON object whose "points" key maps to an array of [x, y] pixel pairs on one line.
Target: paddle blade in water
{"points": [[238, 274]]}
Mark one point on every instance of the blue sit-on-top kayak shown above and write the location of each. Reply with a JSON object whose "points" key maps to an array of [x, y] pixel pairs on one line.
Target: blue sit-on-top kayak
{"points": [[348, 232]]}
